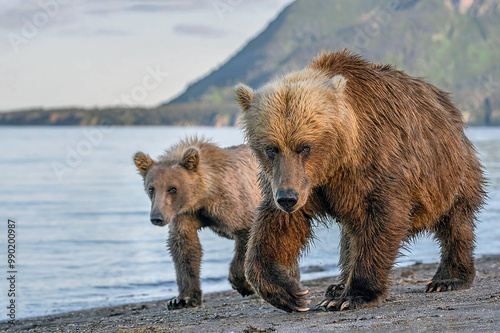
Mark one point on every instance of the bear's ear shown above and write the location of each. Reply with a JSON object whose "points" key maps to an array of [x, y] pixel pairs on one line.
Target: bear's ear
{"points": [[244, 95], [191, 158], [338, 82], [143, 162]]}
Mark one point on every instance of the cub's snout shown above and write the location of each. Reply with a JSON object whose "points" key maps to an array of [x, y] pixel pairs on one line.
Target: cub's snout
{"points": [[157, 219]]}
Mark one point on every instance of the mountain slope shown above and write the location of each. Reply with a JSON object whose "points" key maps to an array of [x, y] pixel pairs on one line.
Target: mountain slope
{"points": [[453, 43]]}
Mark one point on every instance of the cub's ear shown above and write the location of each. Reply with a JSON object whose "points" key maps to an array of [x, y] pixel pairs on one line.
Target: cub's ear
{"points": [[338, 82], [143, 162], [244, 95], [191, 158]]}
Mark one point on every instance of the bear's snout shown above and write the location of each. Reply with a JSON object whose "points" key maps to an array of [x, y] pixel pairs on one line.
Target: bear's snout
{"points": [[157, 219], [287, 199]]}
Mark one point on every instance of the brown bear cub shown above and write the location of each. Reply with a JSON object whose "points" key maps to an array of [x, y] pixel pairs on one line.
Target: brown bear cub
{"points": [[194, 185], [383, 153]]}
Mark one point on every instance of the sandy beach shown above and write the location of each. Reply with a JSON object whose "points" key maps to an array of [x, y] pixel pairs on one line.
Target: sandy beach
{"points": [[407, 308]]}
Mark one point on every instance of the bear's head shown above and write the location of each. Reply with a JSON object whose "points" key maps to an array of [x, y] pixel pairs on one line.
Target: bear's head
{"points": [[296, 126], [171, 184]]}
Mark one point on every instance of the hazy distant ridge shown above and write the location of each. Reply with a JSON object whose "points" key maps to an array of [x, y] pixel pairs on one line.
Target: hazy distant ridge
{"points": [[452, 43]]}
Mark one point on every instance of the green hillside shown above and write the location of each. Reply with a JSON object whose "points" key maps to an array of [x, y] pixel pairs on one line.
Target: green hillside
{"points": [[454, 44]]}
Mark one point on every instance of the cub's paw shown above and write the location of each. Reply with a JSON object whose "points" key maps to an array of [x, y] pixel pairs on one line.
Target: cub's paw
{"points": [[180, 303], [244, 289], [446, 285], [241, 285]]}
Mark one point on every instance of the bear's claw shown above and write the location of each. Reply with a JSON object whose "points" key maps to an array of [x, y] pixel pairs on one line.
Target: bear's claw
{"points": [[180, 303], [344, 303], [445, 285], [332, 293]]}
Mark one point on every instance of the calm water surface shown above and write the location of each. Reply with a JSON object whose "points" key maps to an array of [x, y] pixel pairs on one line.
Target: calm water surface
{"points": [[83, 232]]}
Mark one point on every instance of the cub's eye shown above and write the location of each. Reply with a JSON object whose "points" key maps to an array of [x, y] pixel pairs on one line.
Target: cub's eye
{"points": [[305, 150], [151, 190], [271, 151], [172, 190]]}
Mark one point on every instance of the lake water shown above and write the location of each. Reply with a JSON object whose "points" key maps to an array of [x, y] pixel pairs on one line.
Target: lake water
{"points": [[83, 232]]}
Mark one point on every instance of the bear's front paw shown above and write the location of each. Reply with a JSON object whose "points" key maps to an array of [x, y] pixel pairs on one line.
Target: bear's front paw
{"points": [[278, 287], [180, 303], [287, 298]]}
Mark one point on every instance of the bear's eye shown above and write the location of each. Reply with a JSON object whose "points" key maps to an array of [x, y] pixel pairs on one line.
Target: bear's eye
{"points": [[271, 151], [151, 190], [305, 149], [172, 190]]}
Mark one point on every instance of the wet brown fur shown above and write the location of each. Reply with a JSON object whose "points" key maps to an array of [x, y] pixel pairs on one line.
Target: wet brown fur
{"points": [[216, 188], [388, 160]]}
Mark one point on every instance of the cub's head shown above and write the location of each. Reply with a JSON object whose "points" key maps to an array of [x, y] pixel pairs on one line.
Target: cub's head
{"points": [[296, 127], [172, 185]]}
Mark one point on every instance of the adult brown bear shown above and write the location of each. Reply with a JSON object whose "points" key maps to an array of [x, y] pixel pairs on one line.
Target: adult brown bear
{"points": [[194, 185], [381, 152]]}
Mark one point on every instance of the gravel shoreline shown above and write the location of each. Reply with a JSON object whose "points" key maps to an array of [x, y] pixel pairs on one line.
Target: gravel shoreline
{"points": [[406, 308]]}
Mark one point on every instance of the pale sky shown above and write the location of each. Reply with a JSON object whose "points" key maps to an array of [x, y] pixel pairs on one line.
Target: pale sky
{"points": [[56, 53]]}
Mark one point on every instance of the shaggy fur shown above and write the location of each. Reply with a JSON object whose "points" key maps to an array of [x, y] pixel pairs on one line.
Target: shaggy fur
{"points": [[194, 185], [381, 152]]}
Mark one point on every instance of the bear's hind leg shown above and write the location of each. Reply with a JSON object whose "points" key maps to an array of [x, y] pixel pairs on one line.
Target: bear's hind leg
{"points": [[374, 240], [455, 232], [237, 267], [335, 290]]}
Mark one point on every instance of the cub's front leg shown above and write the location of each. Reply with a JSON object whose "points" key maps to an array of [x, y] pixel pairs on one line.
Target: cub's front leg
{"points": [[276, 240], [185, 248]]}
